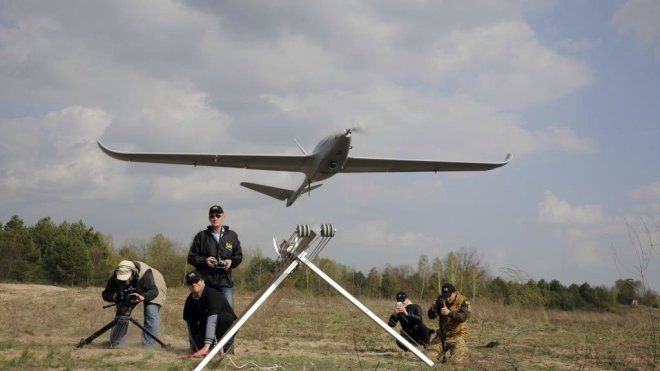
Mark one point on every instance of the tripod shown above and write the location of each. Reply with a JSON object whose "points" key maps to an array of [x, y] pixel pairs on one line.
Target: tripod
{"points": [[122, 318]]}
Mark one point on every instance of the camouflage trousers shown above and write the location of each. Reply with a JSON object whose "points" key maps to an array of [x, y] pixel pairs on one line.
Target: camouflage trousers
{"points": [[455, 349]]}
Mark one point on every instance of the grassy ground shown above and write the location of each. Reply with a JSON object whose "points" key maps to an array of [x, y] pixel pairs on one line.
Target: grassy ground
{"points": [[41, 325]]}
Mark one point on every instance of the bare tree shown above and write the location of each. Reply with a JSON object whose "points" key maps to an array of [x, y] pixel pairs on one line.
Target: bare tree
{"points": [[424, 272], [452, 269], [644, 249], [468, 261], [437, 270]]}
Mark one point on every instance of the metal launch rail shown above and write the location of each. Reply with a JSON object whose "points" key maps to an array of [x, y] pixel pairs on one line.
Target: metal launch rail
{"points": [[303, 247]]}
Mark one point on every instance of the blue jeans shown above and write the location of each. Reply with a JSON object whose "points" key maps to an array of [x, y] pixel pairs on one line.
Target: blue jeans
{"points": [[151, 323], [228, 293]]}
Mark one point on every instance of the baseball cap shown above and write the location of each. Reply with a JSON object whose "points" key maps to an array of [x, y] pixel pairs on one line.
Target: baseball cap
{"points": [[447, 290], [216, 209], [193, 277], [401, 296], [124, 270]]}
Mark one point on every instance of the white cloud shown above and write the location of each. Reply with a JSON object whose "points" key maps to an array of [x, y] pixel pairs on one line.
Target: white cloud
{"points": [[553, 210], [463, 83], [312, 72], [51, 153], [513, 69], [379, 238], [575, 46], [457, 81], [646, 210], [641, 18], [561, 138], [649, 192], [648, 207], [380, 233]]}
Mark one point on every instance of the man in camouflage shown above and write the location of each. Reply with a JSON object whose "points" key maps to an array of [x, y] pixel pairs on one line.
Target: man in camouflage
{"points": [[450, 342]]}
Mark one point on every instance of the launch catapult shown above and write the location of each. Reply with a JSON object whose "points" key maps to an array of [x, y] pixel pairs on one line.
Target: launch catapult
{"points": [[303, 247]]}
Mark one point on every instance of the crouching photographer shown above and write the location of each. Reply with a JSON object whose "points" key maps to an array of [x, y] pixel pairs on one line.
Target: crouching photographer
{"points": [[135, 282], [451, 338], [208, 316], [410, 317]]}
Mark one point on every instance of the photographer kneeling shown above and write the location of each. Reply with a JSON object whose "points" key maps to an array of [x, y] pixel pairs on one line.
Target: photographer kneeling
{"points": [[410, 317], [207, 314], [451, 337], [131, 283]]}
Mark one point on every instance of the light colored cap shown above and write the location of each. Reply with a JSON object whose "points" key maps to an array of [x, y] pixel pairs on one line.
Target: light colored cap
{"points": [[124, 270]]}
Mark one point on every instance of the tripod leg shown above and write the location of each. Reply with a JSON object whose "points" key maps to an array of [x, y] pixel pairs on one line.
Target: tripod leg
{"points": [[119, 331], [136, 323], [98, 333]]}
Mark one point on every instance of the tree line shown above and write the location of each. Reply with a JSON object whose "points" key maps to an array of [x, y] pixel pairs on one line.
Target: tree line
{"points": [[74, 254]]}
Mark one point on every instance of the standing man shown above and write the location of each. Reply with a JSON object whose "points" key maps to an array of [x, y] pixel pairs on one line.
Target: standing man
{"points": [[215, 252], [208, 316], [147, 285], [451, 338], [410, 317]]}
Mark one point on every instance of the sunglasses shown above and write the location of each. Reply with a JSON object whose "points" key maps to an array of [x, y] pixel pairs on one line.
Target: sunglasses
{"points": [[213, 216], [192, 281]]}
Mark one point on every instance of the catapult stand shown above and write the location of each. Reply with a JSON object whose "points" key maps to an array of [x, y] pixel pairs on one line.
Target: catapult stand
{"points": [[292, 253], [122, 318]]}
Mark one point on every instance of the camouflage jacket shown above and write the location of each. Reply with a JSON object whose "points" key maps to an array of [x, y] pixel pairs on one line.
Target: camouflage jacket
{"points": [[456, 320]]}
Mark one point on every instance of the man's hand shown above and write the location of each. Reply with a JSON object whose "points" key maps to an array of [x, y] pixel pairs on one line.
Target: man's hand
{"points": [[433, 306], [138, 298], [400, 308], [201, 353], [211, 261], [227, 263], [444, 311]]}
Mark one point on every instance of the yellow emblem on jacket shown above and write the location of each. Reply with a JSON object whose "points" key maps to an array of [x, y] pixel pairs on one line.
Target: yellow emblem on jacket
{"points": [[228, 245]]}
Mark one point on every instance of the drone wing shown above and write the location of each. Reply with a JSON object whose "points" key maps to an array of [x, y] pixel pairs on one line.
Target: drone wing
{"points": [[257, 162], [384, 165]]}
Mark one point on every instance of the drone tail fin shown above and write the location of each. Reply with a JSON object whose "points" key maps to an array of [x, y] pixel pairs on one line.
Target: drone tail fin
{"points": [[278, 193]]}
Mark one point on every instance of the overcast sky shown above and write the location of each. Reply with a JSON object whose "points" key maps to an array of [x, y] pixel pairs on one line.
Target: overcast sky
{"points": [[571, 89]]}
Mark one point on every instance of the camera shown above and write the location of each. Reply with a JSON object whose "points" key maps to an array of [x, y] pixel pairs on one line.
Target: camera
{"points": [[439, 303], [220, 264], [124, 296]]}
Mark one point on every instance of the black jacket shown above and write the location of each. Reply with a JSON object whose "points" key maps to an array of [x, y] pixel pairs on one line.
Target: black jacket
{"points": [[196, 311], [408, 322], [204, 245], [146, 286]]}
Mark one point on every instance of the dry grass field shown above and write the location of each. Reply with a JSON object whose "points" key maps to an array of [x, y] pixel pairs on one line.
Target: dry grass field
{"points": [[41, 325]]}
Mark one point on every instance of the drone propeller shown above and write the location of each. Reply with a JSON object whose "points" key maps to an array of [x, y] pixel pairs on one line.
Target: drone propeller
{"points": [[356, 129]]}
